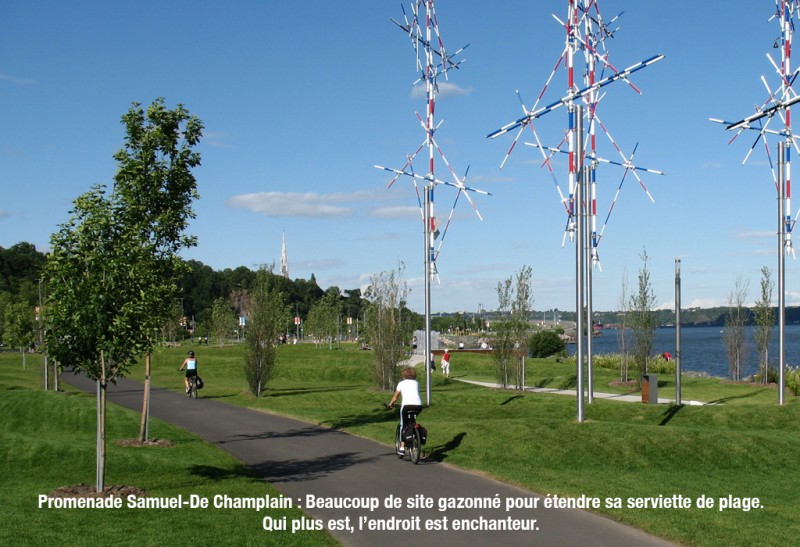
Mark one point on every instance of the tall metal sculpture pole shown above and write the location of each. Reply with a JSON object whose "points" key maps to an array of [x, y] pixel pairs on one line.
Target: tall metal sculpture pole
{"points": [[428, 273], [778, 105], [782, 151], [677, 331], [430, 92], [432, 60], [580, 260], [588, 266], [580, 204]]}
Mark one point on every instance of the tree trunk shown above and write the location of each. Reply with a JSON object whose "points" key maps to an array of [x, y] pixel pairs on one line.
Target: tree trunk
{"points": [[144, 426], [101, 425]]}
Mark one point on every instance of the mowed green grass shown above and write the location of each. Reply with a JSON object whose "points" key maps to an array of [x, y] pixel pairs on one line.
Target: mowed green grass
{"points": [[47, 440], [745, 446]]}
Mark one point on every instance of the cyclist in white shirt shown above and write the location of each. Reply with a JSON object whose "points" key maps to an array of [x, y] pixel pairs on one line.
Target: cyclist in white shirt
{"points": [[408, 392]]}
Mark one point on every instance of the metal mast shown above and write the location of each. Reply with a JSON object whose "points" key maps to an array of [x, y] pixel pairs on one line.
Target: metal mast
{"points": [[778, 104], [580, 201], [432, 60]]}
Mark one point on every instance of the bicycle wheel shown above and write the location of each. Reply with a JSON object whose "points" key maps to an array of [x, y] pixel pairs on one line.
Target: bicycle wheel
{"points": [[397, 442], [193, 387], [414, 446]]}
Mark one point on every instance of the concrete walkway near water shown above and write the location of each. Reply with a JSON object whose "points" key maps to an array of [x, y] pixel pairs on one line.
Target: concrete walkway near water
{"points": [[341, 478], [418, 360], [597, 395]]}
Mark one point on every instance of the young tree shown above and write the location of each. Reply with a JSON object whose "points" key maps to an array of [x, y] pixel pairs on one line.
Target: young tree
{"points": [[113, 270], [156, 184], [324, 316], [733, 335], [386, 331], [94, 304], [765, 321], [20, 328], [642, 318], [268, 316], [223, 319], [509, 343]]}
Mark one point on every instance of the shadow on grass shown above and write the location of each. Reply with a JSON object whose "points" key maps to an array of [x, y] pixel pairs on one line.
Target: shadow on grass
{"points": [[568, 382], [734, 397], [376, 417], [671, 412], [306, 390], [218, 473], [510, 399], [439, 453]]}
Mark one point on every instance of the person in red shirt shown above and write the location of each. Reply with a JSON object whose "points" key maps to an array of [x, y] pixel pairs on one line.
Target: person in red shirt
{"points": [[446, 363]]}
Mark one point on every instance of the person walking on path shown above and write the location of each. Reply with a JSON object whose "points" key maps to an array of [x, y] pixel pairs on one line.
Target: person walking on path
{"points": [[446, 363]]}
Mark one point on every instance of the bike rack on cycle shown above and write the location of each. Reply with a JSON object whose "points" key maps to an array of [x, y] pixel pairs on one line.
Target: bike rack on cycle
{"points": [[413, 445], [192, 393]]}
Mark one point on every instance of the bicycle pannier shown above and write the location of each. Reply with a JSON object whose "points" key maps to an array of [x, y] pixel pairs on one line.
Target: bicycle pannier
{"points": [[423, 434]]}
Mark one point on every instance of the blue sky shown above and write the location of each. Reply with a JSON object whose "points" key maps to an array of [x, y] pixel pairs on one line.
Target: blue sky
{"points": [[301, 100]]}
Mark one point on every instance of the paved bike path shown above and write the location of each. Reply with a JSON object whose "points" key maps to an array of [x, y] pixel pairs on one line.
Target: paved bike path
{"points": [[301, 459]]}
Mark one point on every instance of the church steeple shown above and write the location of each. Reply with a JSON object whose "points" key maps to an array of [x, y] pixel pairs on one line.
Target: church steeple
{"points": [[284, 258]]}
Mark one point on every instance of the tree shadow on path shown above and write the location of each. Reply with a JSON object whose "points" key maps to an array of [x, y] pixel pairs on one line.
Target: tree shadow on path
{"points": [[297, 470]]}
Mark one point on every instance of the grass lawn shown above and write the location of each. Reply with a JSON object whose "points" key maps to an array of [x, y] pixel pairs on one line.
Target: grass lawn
{"points": [[743, 447], [47, 440]]}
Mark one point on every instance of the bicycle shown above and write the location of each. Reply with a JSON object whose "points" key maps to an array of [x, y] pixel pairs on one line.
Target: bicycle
{"points": [[193, 385], [414, 438], [192, 394]]}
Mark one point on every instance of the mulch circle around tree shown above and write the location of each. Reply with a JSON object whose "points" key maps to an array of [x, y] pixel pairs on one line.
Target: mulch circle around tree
{"points": [[86, 491], [136, 443]]}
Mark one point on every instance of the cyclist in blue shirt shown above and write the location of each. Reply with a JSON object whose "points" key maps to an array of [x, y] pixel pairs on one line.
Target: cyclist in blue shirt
{"points": [[191, 369]]}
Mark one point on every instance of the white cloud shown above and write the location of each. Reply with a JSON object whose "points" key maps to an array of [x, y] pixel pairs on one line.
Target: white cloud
{"points": [[216, 139], [292, 204], [403, 212], [315, 205], [16, 80], [446, 89], [757, 234]]}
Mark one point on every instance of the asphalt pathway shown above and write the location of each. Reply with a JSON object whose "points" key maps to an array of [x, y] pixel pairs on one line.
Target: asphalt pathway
{"points": [[322, 469]]}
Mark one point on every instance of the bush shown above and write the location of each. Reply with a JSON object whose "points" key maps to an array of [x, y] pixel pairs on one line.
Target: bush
{"points": [[607, 360], [545, 343], [793, 379], [659, 365]]}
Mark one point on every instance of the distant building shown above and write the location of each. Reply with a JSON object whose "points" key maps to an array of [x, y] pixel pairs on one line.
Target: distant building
{"points": [[284, 259]]}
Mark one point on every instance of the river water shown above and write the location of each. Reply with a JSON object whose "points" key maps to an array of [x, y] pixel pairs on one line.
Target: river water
{"points": [[703, 348]]}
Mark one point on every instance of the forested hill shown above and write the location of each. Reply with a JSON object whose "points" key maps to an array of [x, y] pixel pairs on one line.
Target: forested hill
{"points": [[20, 271], [20, 268], [21, 264]]}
